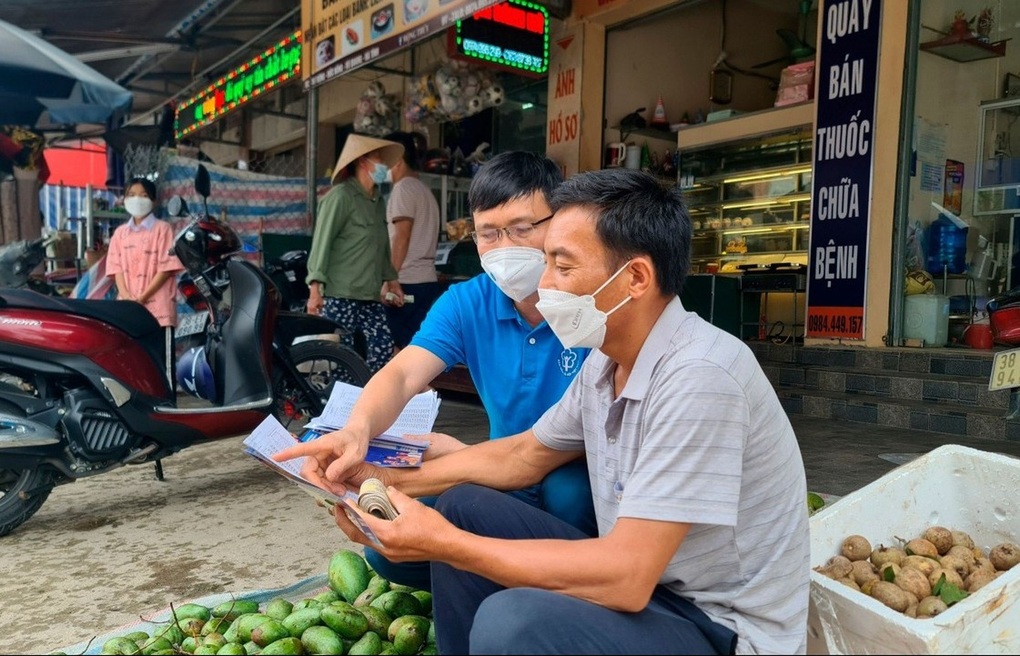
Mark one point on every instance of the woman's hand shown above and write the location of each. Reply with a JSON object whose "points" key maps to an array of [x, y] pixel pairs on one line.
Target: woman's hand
{"points": [[315, 299]]}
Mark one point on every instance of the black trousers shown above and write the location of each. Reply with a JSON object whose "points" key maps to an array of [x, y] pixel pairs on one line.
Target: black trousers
{"points": [[476, 616]]}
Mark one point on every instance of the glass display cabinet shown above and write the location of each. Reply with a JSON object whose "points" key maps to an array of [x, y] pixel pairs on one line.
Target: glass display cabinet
{"points": [[997, 189], [749, 199]]}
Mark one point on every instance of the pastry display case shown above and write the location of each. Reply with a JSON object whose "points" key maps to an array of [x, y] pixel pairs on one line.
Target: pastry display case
{"points": [[749, 199]]}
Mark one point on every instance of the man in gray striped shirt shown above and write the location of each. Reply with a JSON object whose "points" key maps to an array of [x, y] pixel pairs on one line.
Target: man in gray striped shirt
{"points": [[697, 477]]}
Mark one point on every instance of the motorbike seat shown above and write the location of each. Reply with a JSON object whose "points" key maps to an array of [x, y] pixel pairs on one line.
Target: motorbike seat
{"points": [[132, 318]]}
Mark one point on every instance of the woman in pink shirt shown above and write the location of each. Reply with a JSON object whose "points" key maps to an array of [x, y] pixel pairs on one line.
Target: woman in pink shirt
{"points": [[140, 259]]}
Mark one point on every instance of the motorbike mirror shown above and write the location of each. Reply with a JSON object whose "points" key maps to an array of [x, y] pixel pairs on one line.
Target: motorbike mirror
{"points": [[176, 206], [202, 184]]}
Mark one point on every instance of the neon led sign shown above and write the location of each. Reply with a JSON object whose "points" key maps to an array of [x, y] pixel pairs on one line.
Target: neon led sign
{"points": [[248, 81], [512, 35]]}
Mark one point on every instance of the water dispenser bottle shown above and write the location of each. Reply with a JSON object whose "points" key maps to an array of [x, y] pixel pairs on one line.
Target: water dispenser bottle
{"points": [[947, 245]]}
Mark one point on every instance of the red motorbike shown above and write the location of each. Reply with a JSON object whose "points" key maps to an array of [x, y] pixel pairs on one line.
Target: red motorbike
{"points": [[86, 386]]}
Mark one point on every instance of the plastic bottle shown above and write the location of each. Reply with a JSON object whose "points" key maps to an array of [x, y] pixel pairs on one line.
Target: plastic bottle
{"points": [[947, 247]]}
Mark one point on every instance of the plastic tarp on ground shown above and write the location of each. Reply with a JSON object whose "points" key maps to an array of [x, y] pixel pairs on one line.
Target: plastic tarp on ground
{"points": [[302, 589]]}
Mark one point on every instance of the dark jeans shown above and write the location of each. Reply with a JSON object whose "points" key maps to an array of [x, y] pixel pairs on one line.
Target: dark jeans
{"points": [[565, 494], [476, 616], [406, 320]]}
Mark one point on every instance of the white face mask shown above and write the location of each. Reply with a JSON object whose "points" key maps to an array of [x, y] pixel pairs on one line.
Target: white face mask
{"points": [[574, 319], [138, 205], [516, 270]]}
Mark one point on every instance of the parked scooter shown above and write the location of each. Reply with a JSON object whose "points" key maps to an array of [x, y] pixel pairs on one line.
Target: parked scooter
{"points": [[19, 259], [288, 273], [84, 385]]}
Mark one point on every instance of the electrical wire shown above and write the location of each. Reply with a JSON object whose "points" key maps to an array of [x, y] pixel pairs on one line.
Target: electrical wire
{"points": [[723, 61]]}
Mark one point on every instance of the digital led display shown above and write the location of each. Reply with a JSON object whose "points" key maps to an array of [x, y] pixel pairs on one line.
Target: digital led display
{"points": [[512, 35], [248, 81]]}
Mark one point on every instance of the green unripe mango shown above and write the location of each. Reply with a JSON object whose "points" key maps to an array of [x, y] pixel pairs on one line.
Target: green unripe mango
{"points": [[327, 597], [376, 586], [321, 640], [289, 645], [191, 626], [348, 574], [231, 633], [279, 609], [408, 633], [120, 645], [429, 649], [206, 649], [369, 644], [397, 603], [432, 633], [298, 621], [197, 611], [345, 619], [138, 635], [425, 599], [308, 603], [378, 619], [233, 609], [268, 632], [251, 648], [388, 651], [216, 639], [247, 623], [401, 587], [189, 644], [231, 649], [216, 625], [368, 596], [172, 632], [154, 644]]}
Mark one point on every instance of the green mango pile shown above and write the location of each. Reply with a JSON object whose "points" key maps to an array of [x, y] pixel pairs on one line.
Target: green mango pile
{"points": [[360, 613]]}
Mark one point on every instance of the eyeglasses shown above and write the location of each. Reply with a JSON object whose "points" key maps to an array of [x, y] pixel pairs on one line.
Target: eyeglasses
{"points": [[517, 232]]}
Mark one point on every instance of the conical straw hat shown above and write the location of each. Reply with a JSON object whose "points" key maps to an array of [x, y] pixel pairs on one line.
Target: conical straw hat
{"points": [[358, 145]]}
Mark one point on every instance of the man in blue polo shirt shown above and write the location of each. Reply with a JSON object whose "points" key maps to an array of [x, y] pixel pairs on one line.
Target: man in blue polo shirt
{"points": [[489, 324]]}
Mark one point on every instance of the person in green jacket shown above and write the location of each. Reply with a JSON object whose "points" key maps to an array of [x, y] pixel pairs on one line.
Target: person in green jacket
{"points": [[349, 269]]}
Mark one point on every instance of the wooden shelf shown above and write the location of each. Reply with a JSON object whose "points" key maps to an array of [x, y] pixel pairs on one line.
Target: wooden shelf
{"points": [[965, 48], [651, 133], [748, 125]]}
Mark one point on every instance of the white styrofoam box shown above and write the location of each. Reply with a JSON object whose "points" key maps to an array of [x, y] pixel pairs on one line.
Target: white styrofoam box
{"points": [[926, 317], [952, 486]]}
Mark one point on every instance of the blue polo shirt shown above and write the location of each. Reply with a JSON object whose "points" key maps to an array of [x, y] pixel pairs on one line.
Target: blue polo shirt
{"points": [[519, 371]]}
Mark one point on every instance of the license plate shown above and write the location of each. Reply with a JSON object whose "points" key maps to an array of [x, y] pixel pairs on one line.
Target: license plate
{"points": [[190, 324], [1005, 370]]}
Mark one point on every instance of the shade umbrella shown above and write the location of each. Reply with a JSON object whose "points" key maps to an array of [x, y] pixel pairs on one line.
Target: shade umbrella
{"points": [[41, 83]]}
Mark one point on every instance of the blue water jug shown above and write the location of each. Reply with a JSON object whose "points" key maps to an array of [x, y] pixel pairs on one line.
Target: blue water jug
{"points": [[947, 247]]}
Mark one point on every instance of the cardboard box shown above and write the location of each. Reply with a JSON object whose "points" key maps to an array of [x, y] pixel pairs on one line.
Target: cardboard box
{"points": [[952, 486]]}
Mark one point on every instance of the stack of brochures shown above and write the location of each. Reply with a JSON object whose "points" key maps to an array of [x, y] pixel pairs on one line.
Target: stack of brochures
{"points": [[392, 448], [270, 437]]}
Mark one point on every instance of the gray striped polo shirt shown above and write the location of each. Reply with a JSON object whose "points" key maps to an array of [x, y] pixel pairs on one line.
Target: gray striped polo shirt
{"points": [[698, 436]]}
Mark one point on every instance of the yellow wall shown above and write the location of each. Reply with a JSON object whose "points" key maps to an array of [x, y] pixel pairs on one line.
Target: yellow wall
{"points": [[892, 48]]}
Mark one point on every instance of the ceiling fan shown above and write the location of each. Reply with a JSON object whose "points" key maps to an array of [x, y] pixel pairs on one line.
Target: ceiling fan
{"points": [[798, 49]]}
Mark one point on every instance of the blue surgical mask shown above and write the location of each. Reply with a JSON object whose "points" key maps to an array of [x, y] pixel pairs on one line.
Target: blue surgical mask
{"points": [[380, 173]]}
